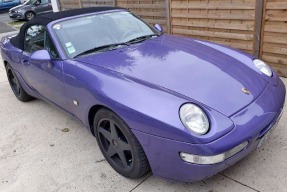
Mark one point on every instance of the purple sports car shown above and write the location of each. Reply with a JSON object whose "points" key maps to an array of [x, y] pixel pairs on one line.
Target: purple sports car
{"points": [[183, 108]]}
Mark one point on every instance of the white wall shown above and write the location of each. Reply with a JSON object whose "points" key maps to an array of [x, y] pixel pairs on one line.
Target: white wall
{"points": [[55, 5]]}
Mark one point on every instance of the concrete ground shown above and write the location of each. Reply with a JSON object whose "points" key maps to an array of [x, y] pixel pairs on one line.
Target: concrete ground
{"points": [[4, 17], [35, 155], [5, 28]]}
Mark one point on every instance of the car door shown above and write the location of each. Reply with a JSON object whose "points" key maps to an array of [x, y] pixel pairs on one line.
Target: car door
{"points": [[6, 4], [1, 5], [45, 79], [44, 7]]}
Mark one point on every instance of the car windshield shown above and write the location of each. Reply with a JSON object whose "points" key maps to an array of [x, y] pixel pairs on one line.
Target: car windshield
{"points": [[30, 2], [101, 32]]}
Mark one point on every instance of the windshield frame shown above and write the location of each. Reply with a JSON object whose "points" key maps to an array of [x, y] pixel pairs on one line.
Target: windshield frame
{"points": [[61, 50], [30, 2]]}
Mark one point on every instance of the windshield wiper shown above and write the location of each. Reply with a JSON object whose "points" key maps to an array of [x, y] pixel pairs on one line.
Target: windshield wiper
{"points": [[102, 48], [141, 38], [114, 46]]}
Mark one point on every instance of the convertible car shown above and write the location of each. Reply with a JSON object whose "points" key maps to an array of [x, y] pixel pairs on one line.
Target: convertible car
{"points": [[183, 108]]}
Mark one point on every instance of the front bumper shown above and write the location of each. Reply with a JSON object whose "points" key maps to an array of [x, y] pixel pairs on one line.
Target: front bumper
{"points": [[251, 124], [16, 15]]}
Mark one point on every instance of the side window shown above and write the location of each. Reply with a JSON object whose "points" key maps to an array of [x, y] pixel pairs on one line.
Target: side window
{"points": [[34, 38], [44, 1], [49, 46]]}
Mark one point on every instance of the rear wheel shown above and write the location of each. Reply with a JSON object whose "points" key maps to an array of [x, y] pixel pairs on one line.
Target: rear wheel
{"points": [[29, 15], [15, 85], [119, 145]]}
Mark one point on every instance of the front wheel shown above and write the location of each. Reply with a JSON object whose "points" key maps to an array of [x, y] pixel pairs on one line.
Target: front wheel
{"points": [[15, 85], [119, 145], [29, 15]]}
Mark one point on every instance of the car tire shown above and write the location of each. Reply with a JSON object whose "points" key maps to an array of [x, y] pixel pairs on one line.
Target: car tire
{"points": [[29, 15], [15, 85], [119, 146]]}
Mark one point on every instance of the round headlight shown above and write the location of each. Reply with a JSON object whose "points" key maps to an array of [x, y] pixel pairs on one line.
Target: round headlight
{"points": [[263, 67], [194, 118]]}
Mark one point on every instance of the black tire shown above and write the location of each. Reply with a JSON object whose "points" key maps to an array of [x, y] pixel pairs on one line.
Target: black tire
{"points": [[15, 85], [120, 148], [29, 15]]}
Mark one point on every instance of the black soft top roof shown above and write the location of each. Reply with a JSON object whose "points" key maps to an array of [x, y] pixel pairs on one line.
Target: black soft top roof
{"points": [[18, 40]]}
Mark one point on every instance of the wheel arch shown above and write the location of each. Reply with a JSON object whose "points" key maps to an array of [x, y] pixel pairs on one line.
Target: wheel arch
{"points": [[29, 11], [91, 115]]}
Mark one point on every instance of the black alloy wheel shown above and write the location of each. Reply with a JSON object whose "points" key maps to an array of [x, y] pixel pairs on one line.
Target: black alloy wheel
{"points": [[119, 146], [15, 85]]}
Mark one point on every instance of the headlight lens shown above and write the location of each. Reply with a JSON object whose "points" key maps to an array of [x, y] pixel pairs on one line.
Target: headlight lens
{"points": [[263, 67], [194, 119]]}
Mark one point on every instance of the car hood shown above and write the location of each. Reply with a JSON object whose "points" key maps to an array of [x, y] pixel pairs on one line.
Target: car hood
{"points": [[19, 7], [207, 73]]}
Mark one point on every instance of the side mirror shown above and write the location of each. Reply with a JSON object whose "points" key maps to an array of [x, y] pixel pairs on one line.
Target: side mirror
{"points": [[37, 3], [158, 27], [41, 57]]}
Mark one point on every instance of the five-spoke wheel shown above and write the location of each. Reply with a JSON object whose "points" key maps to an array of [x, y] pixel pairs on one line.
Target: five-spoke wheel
{"points": [[119, 146], [115, 144]]}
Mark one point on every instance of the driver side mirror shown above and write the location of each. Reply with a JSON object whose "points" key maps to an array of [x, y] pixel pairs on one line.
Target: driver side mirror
{"points": [[37, 3], [41, 57], [158, 27]]}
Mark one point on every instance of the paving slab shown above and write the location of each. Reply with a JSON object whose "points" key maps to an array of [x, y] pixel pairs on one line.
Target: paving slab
{"points": [[3, 76], [217, 183], [35, 155], [1, 63], [266, 168], [4, 28], [8, 33], [263, 170], [4, 16]]}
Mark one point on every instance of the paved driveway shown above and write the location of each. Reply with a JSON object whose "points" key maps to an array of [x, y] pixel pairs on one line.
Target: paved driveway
{"points": [[35, 155], [4, 17]]}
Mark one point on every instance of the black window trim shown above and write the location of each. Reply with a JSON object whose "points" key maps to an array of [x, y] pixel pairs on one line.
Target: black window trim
{"points": [[46, 34]]}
